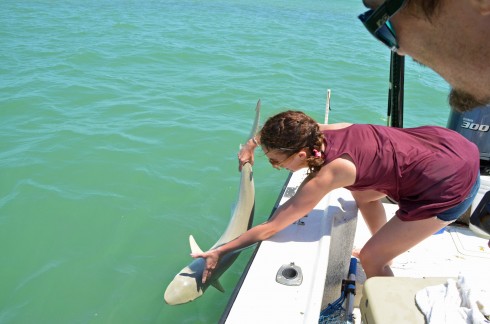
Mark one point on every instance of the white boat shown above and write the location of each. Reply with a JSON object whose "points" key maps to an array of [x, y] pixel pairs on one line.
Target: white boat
{"points": [[307, 250], [295, 274], [285, 278]]}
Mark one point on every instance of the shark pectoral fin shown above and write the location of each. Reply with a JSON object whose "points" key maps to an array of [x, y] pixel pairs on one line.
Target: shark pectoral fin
{"points": [[216, 284], [194, 247]]}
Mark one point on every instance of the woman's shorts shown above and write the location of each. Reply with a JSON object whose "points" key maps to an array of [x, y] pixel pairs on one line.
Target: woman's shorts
{"points": [[453, 213]]}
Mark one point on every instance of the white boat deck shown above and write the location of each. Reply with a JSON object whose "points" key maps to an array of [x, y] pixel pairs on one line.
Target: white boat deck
{"points": [[259, 298], [457, 250], [306, 243]]}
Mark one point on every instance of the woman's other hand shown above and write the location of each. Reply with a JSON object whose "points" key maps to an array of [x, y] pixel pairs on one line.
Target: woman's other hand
{"points": [[246, 153]]}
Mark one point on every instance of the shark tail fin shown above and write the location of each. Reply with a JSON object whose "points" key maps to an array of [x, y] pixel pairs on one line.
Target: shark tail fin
{"points": [[216, 284], [194, 247]]}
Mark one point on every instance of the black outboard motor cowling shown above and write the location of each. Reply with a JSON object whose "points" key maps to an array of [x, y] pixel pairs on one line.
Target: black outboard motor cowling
{"points": [[474, 125]]}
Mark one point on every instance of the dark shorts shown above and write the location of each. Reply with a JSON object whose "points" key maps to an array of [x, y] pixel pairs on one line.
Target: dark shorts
{"points": [[453, 213]]}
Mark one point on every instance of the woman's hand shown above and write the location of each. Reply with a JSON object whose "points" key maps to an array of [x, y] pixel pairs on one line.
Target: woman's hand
{"points": [[212, 258], [246, 153]]}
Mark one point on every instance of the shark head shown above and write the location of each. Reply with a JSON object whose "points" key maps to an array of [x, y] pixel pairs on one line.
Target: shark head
{"points": [[186, 285]]}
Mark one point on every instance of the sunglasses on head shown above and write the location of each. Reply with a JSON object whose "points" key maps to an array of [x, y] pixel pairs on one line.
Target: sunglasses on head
{"points": [[378, 24]]}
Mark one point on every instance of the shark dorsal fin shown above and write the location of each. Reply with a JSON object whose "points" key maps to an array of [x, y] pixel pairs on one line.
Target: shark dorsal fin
{"points": [[194, 247], [216, 284]]}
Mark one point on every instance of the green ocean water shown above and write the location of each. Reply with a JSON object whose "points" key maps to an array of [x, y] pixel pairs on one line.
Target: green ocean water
{"points": [[120, 122]]}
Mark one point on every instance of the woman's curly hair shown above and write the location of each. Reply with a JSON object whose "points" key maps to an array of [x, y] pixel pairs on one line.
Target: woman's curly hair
{"points": [[292, 131]]}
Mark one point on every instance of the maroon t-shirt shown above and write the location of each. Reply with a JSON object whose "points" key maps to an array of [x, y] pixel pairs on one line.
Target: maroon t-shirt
{"points": [[427, 170]]}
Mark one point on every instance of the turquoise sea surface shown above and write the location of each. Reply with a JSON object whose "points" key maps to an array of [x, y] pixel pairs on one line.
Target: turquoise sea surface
{"points": [[120, 122]]}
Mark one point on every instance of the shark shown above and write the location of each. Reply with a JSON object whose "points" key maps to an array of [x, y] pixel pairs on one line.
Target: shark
{"points": [[187, 285]]}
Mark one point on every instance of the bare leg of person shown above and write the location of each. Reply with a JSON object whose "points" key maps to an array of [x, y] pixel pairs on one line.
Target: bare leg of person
{"points": [[372, 211], [393, 239], [371, 208]]}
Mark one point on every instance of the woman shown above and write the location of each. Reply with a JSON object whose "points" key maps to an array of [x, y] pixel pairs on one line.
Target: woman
{"points": [[432, 172]]}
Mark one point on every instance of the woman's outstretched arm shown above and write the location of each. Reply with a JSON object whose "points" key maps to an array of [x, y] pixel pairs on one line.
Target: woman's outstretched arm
{"points": [[338, 174]]}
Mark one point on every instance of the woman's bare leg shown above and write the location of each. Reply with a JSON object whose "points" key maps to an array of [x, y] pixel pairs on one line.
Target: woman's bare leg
{"points": [[393, 239], [371, 208], [372, 212]]}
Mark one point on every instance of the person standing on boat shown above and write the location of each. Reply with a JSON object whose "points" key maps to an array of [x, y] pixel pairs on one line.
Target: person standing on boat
{"points": [[452, 37], [432, 172]]}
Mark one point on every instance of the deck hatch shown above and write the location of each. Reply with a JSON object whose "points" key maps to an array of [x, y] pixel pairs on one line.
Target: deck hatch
{"points": [[289, 275]]}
